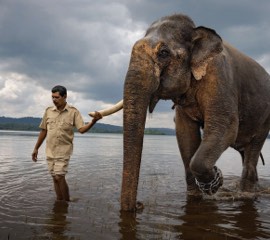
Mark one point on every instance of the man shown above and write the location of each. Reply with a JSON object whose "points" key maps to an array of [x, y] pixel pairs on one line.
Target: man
{"points": [[57, 125]]}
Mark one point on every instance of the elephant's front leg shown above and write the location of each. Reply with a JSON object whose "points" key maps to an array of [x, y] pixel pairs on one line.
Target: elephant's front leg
{"points": [[189, 139], [216, 139]]}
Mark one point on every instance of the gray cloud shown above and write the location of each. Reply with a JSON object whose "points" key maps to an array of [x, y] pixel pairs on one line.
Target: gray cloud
{"points": [[86, 45]]}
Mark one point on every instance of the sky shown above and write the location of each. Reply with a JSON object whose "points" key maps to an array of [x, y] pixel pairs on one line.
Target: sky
{"points": [[85, 45]]}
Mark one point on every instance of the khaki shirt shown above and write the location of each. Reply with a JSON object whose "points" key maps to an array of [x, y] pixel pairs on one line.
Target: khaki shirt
{"points": [[60, 134]]}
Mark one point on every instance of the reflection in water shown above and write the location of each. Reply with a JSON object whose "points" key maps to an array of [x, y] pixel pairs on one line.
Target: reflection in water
{"points": [[214, 220], [202, 220], [57, 222], [128, 225], [246, 221], [28, 210]]}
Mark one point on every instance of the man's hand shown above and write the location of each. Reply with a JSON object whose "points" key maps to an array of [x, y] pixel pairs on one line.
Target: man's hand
{"points": [[97, 116], [42, 135], [34, 155], [86, 127]]}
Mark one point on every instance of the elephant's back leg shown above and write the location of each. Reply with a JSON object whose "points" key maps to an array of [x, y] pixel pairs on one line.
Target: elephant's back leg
{"points": [[249, 178]]}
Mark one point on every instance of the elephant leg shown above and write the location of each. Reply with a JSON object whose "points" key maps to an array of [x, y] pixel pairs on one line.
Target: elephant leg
{"points": [[208, 176], [249, 178], [189, 138], [212, 186], [219, 133]]}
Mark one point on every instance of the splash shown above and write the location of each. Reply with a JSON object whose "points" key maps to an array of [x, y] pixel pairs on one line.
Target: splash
{"points": [[231, 191]]}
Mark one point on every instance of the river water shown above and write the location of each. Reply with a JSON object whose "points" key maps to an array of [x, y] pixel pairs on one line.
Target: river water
{"points": [[28, 209]]}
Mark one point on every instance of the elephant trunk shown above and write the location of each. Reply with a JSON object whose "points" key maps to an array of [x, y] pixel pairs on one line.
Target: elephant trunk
{"points": [[142, 80], [134, 116]]}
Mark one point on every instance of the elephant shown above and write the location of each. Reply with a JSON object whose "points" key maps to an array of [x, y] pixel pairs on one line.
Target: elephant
{"points": [[220, 96]]}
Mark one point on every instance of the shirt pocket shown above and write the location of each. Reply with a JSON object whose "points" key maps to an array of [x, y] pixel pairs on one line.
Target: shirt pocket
{"points": [[51, 124], [67, 124]]}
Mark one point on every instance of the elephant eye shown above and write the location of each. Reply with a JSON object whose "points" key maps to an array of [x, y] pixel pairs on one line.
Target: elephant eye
{"points": [[163, 53]]}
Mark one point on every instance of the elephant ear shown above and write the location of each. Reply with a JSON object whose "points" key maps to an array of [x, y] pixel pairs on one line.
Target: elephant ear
{"points": [[206, 44]]}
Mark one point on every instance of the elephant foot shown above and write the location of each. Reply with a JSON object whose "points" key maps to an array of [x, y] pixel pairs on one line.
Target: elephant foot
{"points": [[212, 187], [249, 180], [137, 208], [192, 187], [248, 186], [194, 195]]}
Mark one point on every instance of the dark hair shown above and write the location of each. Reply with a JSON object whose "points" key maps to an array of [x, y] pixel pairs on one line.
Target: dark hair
{"points": [[62, 90]]}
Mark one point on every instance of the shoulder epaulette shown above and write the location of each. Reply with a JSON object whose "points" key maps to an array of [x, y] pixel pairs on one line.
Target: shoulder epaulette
{"points": [[49, 107], [70, 106]]}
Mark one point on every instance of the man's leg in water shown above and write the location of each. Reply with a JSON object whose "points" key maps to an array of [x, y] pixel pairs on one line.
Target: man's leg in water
{"points": [[61, 188], [58, 169]]}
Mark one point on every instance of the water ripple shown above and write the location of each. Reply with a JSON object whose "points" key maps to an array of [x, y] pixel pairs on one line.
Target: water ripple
{"points": [[28, 209]]}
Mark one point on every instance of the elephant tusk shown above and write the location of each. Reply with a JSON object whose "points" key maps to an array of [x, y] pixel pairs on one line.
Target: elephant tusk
{"points": [[108, 111]]}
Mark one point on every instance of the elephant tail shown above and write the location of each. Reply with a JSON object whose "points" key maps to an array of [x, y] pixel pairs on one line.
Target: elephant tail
{"points": [[262, 158]]}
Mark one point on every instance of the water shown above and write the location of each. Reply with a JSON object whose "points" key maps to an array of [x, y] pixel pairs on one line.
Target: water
{"points": [[28, 209]]}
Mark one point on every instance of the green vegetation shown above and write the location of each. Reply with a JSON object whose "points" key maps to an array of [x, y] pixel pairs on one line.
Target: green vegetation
{"points": [[31, 124], [22, 124]]}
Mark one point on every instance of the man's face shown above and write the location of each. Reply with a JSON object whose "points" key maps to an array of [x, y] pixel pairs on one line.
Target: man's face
{"points": [[58, 100]]}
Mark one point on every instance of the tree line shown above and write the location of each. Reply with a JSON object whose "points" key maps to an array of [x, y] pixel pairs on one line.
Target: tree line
{"points": [[32, 124]]}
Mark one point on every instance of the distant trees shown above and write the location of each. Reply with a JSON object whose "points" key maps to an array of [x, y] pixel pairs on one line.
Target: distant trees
{"points": [[32, 124]]}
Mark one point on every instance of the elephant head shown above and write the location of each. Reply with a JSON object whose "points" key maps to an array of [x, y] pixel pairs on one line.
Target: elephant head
{"points": [[165, 64]]}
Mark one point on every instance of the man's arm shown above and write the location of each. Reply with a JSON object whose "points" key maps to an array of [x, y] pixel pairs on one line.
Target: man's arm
{"points": [[86, 127], [41, 137]]}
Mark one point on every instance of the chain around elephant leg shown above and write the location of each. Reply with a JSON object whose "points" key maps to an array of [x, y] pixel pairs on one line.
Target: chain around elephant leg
{"points": [[212, 187]]}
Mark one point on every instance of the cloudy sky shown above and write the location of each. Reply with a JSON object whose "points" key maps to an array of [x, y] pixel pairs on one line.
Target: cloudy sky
{"points": [[85, 45]]}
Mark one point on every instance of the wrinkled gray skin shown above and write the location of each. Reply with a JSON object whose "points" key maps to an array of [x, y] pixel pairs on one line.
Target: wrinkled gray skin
{"points": [[214, 87]]}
